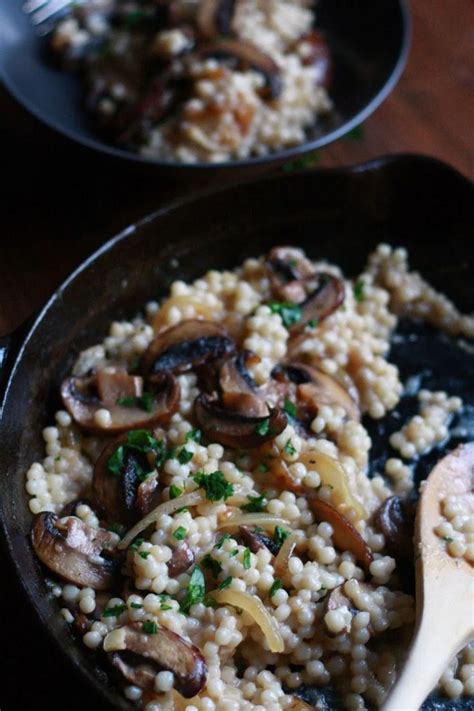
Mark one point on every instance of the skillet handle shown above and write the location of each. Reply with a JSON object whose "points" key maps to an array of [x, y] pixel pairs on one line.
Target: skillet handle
{"points": [[10, 345]]}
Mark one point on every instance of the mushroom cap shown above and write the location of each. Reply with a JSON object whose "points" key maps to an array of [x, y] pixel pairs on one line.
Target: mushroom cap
{"points": [[315, 388], [234, 429], [73, 550], [139, 656], [188, 345], [108, 388]]}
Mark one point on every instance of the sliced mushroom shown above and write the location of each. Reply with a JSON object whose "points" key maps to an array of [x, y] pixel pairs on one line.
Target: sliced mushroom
{"points": [[188, 345], [238, 391], [127, 495], [257, 540], [345, 536], [214, 18], [287, 267], [181, 559], [74, 550], [233, 429], [396, 519], [316, 388], [319, 56], [327, 293], [139, 656], [337, 599], [245, 56], [119, 393]]}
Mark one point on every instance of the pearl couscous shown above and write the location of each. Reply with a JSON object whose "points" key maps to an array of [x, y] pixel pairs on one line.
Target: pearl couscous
{"points": [[199, 80], [204, 506]]}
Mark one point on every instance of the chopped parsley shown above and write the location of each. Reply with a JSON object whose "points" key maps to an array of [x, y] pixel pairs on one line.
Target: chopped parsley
{"points": [[150, 627], [212, 564], [263, 428], [215, 485], [262, 468], [136, 605], [209, 601], [136, 543], [448, 539], [225, 583], [275, 587], [290, 313], [180, 533], [359, 290], [137, 441], [175, 491], [114, 611], [144, 402], [185, 456], [144, 554], [234, 553], [222, 540], [314, 323], [247, 559], [290, 408], [195, 591], [255, 503], [290, 449], [194, 435], [58, 458], [280, 536], [171, 453]]}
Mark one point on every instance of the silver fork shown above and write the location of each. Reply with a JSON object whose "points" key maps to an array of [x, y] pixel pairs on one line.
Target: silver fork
{"points": [[43, 12]]}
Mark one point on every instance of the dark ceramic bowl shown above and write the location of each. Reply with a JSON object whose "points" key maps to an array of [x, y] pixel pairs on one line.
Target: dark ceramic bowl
{"points": [[369, 43], [337, 214]]}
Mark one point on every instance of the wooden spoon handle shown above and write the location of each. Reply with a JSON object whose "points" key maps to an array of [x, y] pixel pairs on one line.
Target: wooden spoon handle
{"points": [[436, 642]]}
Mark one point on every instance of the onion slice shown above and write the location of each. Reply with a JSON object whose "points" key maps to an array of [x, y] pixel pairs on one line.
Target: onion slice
{"points": [[280, 564], [333, 474], [169, 507], [256, 519], [257, 610]]}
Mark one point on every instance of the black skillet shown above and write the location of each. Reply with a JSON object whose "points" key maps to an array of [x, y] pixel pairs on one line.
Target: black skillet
{"points": [[369, 42], [338, 214]]}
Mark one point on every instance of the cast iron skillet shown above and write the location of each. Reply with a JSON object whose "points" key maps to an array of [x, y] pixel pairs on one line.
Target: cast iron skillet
{"points": [[337, 214], [369, 42]]}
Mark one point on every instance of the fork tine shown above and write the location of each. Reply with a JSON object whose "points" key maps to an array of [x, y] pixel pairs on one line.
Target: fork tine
{"points": [[49, 10]]}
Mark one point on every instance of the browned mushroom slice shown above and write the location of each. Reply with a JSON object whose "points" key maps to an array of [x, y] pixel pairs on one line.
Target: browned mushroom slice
{"points": [[237, 389], [125, 482], [181, 559], [141, 650], [315, 388], [326, 295], [287, 267], [73, 550], [123, 396], [345, 535], [245, 56], [214, 18], [188, 345], [337, 599], [257, 540], [234, 429], [319, 56], [396, 519]]}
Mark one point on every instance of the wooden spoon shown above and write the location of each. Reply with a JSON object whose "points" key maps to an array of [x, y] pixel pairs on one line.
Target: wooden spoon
{"points": [[444, 588]]}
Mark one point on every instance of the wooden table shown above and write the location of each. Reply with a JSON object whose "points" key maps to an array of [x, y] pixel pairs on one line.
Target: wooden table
{"points": [[54, 217]]}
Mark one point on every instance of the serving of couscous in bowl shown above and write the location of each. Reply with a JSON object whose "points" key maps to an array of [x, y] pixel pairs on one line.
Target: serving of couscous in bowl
{"points": [[207, 513]]}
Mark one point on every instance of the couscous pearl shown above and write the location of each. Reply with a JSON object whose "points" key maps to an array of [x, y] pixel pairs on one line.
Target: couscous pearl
{"points": [[164, 681]]}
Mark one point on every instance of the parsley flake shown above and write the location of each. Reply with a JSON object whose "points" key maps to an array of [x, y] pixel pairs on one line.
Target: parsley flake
{"points": [[290, 313], [275, 587], [144, 554], [212, 564], [247, 559], [448, 539], [114, 611], [194, 435], [180, 533], [195, 591], [255, 503], [263, 428], [280, 536], [175, 491], [222, 540], [144, 402], [225, 583], [185, 456], [150, 627], [136, 543], [136, 605], [215, 485], [290, 449], [359, 290], [262, 468], [290, 408]]}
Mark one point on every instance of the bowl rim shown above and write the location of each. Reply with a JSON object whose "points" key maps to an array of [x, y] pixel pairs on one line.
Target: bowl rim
{"points": [[27, 332], [256, 161]]}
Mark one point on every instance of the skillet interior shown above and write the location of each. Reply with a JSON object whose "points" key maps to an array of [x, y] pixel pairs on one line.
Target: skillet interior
{"points": [[336, 214]]}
